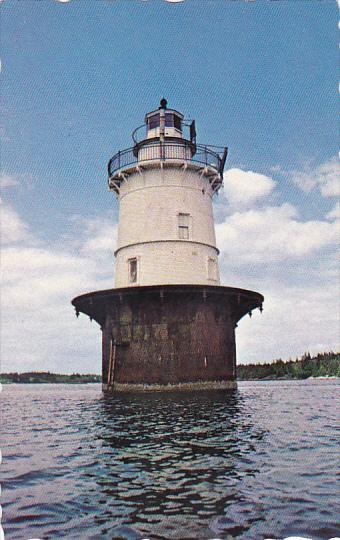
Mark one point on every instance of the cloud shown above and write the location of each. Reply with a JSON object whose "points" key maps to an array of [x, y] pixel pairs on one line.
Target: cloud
{"points": [[13, 229], [101, 235], [39, 327], [34, 273], [325, 178], [7, 180], [334, 213], [292, 262], [294, 320], [273, 233], [246, 187]]}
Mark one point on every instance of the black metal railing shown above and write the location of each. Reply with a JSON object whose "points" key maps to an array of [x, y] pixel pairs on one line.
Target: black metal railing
{"points": [[168, 151]]}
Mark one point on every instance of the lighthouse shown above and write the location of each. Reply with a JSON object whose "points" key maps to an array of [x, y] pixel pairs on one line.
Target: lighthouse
{"points": [[167, 324]]}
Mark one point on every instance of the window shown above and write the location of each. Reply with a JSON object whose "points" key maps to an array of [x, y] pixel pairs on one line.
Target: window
{"points": [[172, 120], [183, 232], [133, 270], [177, 122], [183, 226], [212, 269], [153, 121], [169, 120]]}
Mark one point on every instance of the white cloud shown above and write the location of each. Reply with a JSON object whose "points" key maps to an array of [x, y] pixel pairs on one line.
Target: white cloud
{"points": [[294, 320], [334, 213], [32, 274], [7, 180], [101, 235], [292, 262], [39, 327], [272, 234], [325, 178], [245, 187], [13, 229]]}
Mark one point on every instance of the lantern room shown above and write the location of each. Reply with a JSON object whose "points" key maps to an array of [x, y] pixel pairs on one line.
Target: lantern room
{"points": [[163, 121]]}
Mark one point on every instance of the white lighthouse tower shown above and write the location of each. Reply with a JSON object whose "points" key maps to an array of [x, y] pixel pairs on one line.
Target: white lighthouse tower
{"points": [[166, 229], [167, 324]]}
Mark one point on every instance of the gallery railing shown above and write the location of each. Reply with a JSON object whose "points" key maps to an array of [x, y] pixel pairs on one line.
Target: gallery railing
{"points": [[184, 151]]}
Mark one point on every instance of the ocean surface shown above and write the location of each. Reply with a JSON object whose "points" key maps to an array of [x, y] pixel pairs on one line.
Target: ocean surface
{"points": [[253, 463]]}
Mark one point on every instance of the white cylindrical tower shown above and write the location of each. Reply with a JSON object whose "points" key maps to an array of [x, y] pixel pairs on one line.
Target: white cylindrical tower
{"points": [[165, 185]]}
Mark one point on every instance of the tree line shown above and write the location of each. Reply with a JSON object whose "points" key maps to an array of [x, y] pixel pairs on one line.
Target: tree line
{"points": [[322, 365], [48, 377]]}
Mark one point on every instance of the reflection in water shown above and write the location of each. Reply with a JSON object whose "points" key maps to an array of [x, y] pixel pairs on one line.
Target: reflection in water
{"points": [[246, 463], [175, 458]]}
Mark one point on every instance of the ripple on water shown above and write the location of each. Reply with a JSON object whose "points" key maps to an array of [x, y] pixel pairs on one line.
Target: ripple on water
{"points": [[250, 463]]}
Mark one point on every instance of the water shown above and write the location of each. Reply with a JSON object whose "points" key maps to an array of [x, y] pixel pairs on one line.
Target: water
{"points": [[257, 462]]}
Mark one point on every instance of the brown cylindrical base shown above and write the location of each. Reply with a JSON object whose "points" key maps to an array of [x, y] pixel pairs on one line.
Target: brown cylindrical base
{"points": [[173, 338], [168, 337]]}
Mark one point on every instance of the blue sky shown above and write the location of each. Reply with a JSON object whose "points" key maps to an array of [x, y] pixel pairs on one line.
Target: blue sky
{"points": [[78, 77]]}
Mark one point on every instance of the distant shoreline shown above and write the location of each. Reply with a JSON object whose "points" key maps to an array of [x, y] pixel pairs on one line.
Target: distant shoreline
{"points": [[48, 382], [42, 377], [324, 366], [280, 379]]}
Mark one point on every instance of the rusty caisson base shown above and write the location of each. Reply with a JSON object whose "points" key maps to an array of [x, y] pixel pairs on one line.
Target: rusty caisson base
{"points": [[173, 337]]}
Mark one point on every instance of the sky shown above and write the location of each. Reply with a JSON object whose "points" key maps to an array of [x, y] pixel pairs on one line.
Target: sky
{"points": [[78, 77]]}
